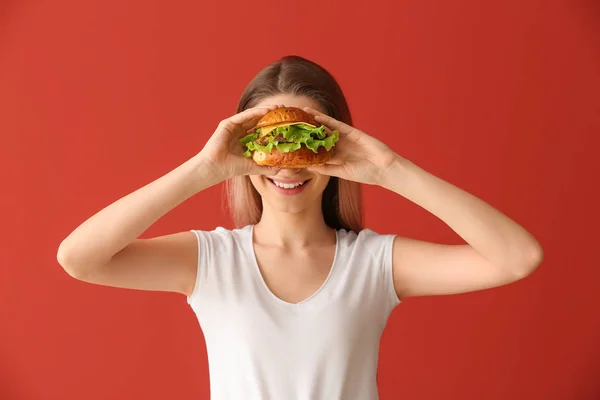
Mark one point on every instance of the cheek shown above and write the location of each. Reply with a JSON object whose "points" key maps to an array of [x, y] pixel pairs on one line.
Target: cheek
{"points": [[258, 183], [321, 183]]}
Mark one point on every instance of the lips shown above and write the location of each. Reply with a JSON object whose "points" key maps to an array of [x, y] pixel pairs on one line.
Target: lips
{"points": [[287, 184], [288, 187]]}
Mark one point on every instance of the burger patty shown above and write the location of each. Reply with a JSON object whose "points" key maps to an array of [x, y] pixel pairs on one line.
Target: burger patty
{"points": [[264, 140]]}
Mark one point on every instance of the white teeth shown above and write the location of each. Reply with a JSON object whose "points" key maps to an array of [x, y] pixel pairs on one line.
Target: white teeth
{"points": [[287, 185]]}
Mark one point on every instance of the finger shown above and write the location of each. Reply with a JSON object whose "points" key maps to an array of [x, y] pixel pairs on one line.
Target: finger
{"points": [[312, 111], [336, 159], [332, 123], [256, 169], [328, 169], [246, 119], [249, 114], [249, 125]]}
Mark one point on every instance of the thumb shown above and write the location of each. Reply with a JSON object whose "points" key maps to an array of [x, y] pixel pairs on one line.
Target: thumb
{"points": [[328, 169], [262, 170]]}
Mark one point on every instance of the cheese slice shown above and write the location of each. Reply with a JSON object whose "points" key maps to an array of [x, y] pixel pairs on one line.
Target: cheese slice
{"points": [[266, 129]]}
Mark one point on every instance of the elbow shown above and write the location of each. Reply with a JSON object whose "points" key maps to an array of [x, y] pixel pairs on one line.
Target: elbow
{"points": [[68, 260], [530, 260]]}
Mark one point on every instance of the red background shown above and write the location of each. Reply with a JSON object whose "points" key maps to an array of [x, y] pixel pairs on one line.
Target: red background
{"points": [[97, 98]]}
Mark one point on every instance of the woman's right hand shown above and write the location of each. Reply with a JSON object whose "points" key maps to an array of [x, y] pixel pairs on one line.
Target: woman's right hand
{"points": [[223, 151], [106, 249]]}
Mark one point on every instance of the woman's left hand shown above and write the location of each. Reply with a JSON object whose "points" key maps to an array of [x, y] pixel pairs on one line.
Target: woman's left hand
{"points": [[357, 156]]}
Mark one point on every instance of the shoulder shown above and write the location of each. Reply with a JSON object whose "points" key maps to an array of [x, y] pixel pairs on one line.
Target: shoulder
{"points": [[367, 240], [217, 250], [213, 245], [372, 252], [221, 235], [368, 245]]}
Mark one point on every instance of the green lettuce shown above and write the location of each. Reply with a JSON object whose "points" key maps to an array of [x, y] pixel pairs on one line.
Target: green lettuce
{"points": [[295, 136]]}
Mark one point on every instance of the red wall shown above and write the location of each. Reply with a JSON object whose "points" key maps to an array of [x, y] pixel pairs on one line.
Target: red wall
{"points": [[98, 98]]}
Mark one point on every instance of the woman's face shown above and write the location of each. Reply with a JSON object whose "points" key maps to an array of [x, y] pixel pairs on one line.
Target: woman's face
{"points": [[291, 190]]}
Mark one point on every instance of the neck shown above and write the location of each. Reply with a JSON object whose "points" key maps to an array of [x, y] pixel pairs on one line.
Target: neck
{"points": [[293, 229]]}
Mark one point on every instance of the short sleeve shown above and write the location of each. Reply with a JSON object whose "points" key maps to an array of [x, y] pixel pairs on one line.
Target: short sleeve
{"points": [[209, 242], [388, 268], [381, 247]]}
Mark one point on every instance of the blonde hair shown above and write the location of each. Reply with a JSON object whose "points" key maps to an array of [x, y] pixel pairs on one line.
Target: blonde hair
{"points": [[342, 199]]}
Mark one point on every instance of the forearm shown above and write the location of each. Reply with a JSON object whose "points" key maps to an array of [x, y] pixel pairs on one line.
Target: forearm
{"points": [[495, 236], [108, 231]]}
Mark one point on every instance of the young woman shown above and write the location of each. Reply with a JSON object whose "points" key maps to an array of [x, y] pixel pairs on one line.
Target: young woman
{"points": [[293, 301]]}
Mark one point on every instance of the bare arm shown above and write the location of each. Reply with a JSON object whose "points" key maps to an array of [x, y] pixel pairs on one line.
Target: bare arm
{"points": [[106, 249], [498, 250]]}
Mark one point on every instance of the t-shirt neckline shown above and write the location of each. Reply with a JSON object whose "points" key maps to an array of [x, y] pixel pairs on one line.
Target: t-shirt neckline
{"points": [[314, 297]]}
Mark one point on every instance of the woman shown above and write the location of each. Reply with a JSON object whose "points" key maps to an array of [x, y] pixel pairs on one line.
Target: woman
{"points": [[293, 301]]}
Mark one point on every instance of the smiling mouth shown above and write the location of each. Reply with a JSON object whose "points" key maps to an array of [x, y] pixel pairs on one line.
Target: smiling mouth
{"points": [[288, 185]]}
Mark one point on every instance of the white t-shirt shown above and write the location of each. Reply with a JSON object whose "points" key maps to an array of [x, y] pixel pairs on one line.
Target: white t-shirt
{"points": [[261, 347]]}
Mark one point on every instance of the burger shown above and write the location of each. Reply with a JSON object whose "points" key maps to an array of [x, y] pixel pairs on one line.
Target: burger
{"points": [[288, 137]]}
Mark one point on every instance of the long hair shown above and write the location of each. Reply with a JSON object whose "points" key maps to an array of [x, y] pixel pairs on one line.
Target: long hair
{"points": [[341, 201]]}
